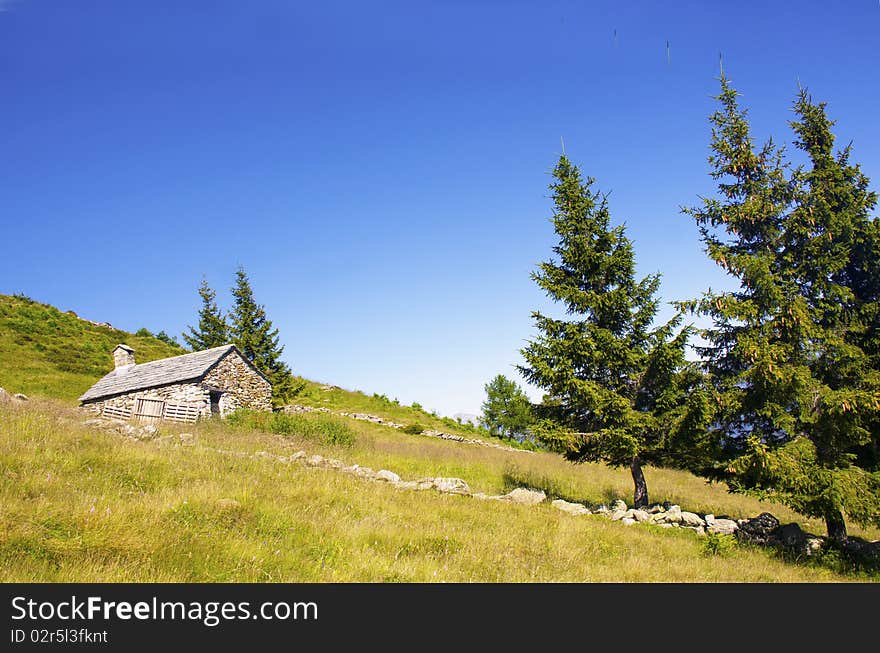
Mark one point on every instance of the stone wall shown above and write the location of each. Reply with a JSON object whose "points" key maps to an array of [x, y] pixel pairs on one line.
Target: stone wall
{"points": [[243, 387], [180, 392]]}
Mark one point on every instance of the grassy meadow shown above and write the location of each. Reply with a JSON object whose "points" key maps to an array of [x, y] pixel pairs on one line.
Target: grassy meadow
{"points": [[78, 503], [81, 504]]}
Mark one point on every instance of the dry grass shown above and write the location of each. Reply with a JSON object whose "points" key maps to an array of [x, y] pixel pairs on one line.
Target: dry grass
{"points": [[78, 504]]}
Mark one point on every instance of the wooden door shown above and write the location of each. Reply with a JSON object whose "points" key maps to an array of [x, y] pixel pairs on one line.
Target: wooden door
{"points": [[148, 410]]}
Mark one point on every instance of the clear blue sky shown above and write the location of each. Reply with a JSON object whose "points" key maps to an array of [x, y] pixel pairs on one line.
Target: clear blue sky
{"points": [[381, 169]]}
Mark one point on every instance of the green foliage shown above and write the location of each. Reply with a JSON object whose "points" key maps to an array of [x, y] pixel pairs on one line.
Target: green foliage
{"points": [[716, 544], [212, 330], [252, 333], [322, 429], [164, 337], [47, 352], [507, 410], [414, 429], [614, 384], [793, 355]]}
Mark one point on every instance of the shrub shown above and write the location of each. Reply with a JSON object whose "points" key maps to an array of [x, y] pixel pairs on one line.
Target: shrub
{"points": [[718, 545], [414, 429], [323, 429]]}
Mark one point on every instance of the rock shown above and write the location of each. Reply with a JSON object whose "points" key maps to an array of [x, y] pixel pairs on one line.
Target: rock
{"points": [[641, 516], [758, 530], [451, 485], [617, 515], [671, 516], [187, 438], [148, 430], [723, 526], [619, 505], [570, 508], [297, 455], [386, 475], [665, 525], [626, 521], [791, 538], [601, 509], [656, 509], [228, 503], [20, 396], [525, 496], [407, 485], [699, 530], [333, 463], [692, 519], [365, 472], [709, 519], [814, 545], [314, 461], [487, 497], [425, 483]]}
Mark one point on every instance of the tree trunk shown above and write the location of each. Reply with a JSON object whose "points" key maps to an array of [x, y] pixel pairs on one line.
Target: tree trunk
{"points": [[640, 491], [836, 527]]}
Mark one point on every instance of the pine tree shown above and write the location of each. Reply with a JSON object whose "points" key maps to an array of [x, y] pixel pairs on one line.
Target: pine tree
{"points": [[251, 331], [212, 330], [792, 354], [507, 410], [615, 385]]}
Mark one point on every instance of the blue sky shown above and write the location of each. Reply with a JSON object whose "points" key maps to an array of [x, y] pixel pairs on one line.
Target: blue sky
{"points": [[381, 169]]}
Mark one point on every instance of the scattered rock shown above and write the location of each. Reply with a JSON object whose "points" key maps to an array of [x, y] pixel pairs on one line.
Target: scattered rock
{"points": [[20, 396], [451, 485], [619, 505], [601, 509], [487, 497], [407, 485], [641, 516], [656, 508], [709, 519], [692, 519], [671, 516], [365, 472], [314, 461], [298, 455], [626, 521], [758, 530], [793, 539], [525, 496], [617, 515], [570, 508], [722, 526], [386, 475]]}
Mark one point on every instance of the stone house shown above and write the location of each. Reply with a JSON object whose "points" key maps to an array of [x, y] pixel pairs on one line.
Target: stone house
{"points": [[181, 388]]}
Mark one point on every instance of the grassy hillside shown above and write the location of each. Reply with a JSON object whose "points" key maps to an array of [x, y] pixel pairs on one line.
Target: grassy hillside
{"points": [[81, 504], [46, 352], [78, 503]]}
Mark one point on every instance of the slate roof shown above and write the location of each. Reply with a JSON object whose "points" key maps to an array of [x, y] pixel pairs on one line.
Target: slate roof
{"points": [[167, 371]]}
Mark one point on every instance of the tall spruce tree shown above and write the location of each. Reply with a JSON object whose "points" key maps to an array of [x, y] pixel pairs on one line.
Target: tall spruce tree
{"points": [[212, 330], [615, 386], [252, 333], [792, 354]]}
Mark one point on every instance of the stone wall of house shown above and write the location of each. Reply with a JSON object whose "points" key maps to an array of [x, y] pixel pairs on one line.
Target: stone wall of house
{"points": [[242, 386], [191, 393]]}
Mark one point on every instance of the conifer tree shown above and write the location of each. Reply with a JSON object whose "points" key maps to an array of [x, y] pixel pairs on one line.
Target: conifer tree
{"points": [[252, 333], [792, 354], [615, 385], [212, 329], [507, 410]]}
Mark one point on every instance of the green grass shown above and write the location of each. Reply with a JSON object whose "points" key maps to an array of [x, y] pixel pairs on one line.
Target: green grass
{"points": [[79, 504], [46, 352]]}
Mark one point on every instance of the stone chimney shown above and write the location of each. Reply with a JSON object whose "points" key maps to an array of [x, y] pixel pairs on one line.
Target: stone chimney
{"points": [[123, 356]]}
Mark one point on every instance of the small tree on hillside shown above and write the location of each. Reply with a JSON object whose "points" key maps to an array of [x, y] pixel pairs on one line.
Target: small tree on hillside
{"points": [[507, 410], [251, 331], [212, 330], [613, 382], [793, 353]]}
